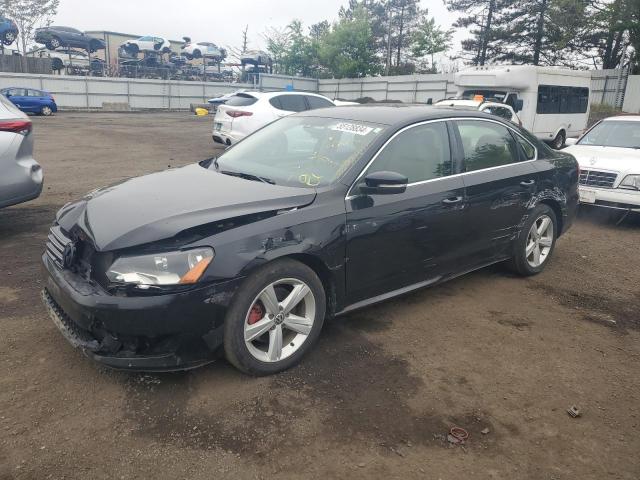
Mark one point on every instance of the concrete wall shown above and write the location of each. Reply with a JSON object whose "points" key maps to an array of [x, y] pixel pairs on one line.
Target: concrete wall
{"points": [[405, 88], [607, 86], [90, 92], [632, 95]]}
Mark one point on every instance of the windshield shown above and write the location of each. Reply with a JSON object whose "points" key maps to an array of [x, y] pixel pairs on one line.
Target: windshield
{"points": [[497, 95], [617, 133], [300, 151]]}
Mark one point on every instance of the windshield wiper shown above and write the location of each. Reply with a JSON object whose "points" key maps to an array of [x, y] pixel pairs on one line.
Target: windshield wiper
{"points": [[248, 176]]}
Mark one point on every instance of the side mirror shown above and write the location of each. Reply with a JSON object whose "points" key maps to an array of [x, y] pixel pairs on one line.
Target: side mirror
{"points": [[519, 105], [570, 141], [384, 183]]}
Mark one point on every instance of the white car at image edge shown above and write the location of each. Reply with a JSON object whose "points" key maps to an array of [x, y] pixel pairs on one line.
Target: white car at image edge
{"points": [[246, 112], [609, 158]]}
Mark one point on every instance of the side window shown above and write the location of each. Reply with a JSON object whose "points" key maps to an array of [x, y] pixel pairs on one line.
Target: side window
{"points": [[317, 102], [292, 103], [420, 153], [34, 93], [486, 144], [527, 148]]}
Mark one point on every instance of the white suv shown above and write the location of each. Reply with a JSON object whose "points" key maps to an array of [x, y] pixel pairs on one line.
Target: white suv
{"points": [[501, 110], [246, 112]]}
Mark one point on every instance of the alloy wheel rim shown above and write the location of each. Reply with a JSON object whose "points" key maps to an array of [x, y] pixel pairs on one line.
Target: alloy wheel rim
{"points": [[539, 241], [46, 111], [287, 310], [10, 37]]}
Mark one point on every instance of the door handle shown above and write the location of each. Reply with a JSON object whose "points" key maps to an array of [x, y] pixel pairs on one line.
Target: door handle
{"points": [[528, 183], [452, 200]]}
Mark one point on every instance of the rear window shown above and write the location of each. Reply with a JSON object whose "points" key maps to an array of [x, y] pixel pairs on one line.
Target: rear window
{"points": [[318, 102], [289, 103], [241, 100]]}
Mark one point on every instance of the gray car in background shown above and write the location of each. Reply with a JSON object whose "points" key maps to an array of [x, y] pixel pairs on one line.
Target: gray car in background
{"points": [[20, 175]]}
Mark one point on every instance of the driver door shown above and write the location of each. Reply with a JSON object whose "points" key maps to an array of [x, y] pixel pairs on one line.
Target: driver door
{"points": [[404, 239]]}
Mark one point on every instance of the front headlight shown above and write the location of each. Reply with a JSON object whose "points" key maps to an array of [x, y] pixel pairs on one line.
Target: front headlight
{"points": [[631, 181], [170, 268]]}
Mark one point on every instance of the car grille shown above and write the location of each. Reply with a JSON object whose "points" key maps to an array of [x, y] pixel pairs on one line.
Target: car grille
{"points": [[595, 178], [56, 243]]}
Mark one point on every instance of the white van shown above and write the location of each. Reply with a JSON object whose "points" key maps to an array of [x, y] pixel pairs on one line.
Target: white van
{"points": [[552, 103]]}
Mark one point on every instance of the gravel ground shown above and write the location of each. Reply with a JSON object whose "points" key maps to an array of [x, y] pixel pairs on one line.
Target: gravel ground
{"points": [[488, 352]]}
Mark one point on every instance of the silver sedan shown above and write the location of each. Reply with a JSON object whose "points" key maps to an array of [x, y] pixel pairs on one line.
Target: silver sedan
{"points": [[20, 175]]}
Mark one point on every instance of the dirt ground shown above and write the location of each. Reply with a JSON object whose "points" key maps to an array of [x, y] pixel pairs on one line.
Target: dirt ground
{"points": [[378, 394]]}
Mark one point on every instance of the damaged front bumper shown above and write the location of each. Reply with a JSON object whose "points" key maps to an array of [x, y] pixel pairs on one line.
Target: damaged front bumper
{"points": [[148, 333]]}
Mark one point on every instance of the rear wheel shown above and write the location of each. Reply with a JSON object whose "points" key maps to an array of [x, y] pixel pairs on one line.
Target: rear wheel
{"points": [[197, 54], [46, 111], [536, 242], [54, 43], [558, 142], [275, 318]]}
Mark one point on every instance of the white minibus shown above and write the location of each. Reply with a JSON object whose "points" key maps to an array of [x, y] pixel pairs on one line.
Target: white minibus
{"points": [[552, 103]]}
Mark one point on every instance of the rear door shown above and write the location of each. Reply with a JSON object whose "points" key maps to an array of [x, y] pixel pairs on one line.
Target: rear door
{"points": [[500, 183], [403, 239], [288, 104]]}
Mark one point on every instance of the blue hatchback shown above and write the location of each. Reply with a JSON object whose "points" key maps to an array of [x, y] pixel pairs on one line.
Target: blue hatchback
{"points": [[30, 100]]}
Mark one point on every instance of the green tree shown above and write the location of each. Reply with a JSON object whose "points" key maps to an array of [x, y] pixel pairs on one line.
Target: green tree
{"points": [[482, 18], [28, 15], [430, 39], [347, 49]]}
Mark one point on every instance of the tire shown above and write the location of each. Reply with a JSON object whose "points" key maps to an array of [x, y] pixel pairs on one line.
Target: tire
{"points": [[133, 49], [260, 355], [93, 47], [57, 64], [54, 43], [197, 54], [46, 111], [558, 142], [525, 264]]}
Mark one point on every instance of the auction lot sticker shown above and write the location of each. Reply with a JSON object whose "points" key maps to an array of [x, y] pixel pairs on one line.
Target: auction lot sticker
{"points": [[352, 128]]}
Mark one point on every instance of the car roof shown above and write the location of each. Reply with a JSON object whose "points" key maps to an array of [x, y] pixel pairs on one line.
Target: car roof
{"points": [[633, 118], [275, 94], [396, 114]]}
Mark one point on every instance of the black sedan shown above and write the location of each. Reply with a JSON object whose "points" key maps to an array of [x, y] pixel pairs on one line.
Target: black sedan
{"points": [[55, 37], [313, 216]]}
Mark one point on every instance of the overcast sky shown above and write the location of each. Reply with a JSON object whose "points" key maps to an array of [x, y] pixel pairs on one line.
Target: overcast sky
{"points": [[218, 21]]}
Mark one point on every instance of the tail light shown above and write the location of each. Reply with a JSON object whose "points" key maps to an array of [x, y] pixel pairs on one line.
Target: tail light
{"points": [[238, 113], [52, 98], [22, 127]]}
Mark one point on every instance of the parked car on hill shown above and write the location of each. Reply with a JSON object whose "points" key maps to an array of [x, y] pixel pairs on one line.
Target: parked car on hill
{"points": [[20, 175], [609, 158], [56, 37], [203, 49], [244, 113], [31, 100], [8, 31], [315, 215], [147, 44]]}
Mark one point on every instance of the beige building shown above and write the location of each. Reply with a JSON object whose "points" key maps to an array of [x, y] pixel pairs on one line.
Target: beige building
{"points": [[113, 41]]}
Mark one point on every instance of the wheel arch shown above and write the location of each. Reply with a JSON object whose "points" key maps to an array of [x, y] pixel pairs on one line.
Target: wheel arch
{"points": [[557, 209], [324, 274]]}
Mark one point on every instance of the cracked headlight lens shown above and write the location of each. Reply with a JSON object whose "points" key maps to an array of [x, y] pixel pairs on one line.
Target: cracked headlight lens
{"points": [[631, 181], [169, 268]]}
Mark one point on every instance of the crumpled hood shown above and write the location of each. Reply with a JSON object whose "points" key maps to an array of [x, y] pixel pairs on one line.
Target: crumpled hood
{"points": [[161, 205], [614, 159]]}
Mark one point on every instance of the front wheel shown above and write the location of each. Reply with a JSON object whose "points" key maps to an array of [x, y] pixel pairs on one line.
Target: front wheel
{"points": [[275, 318], [54, 43], [536, 242]]}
